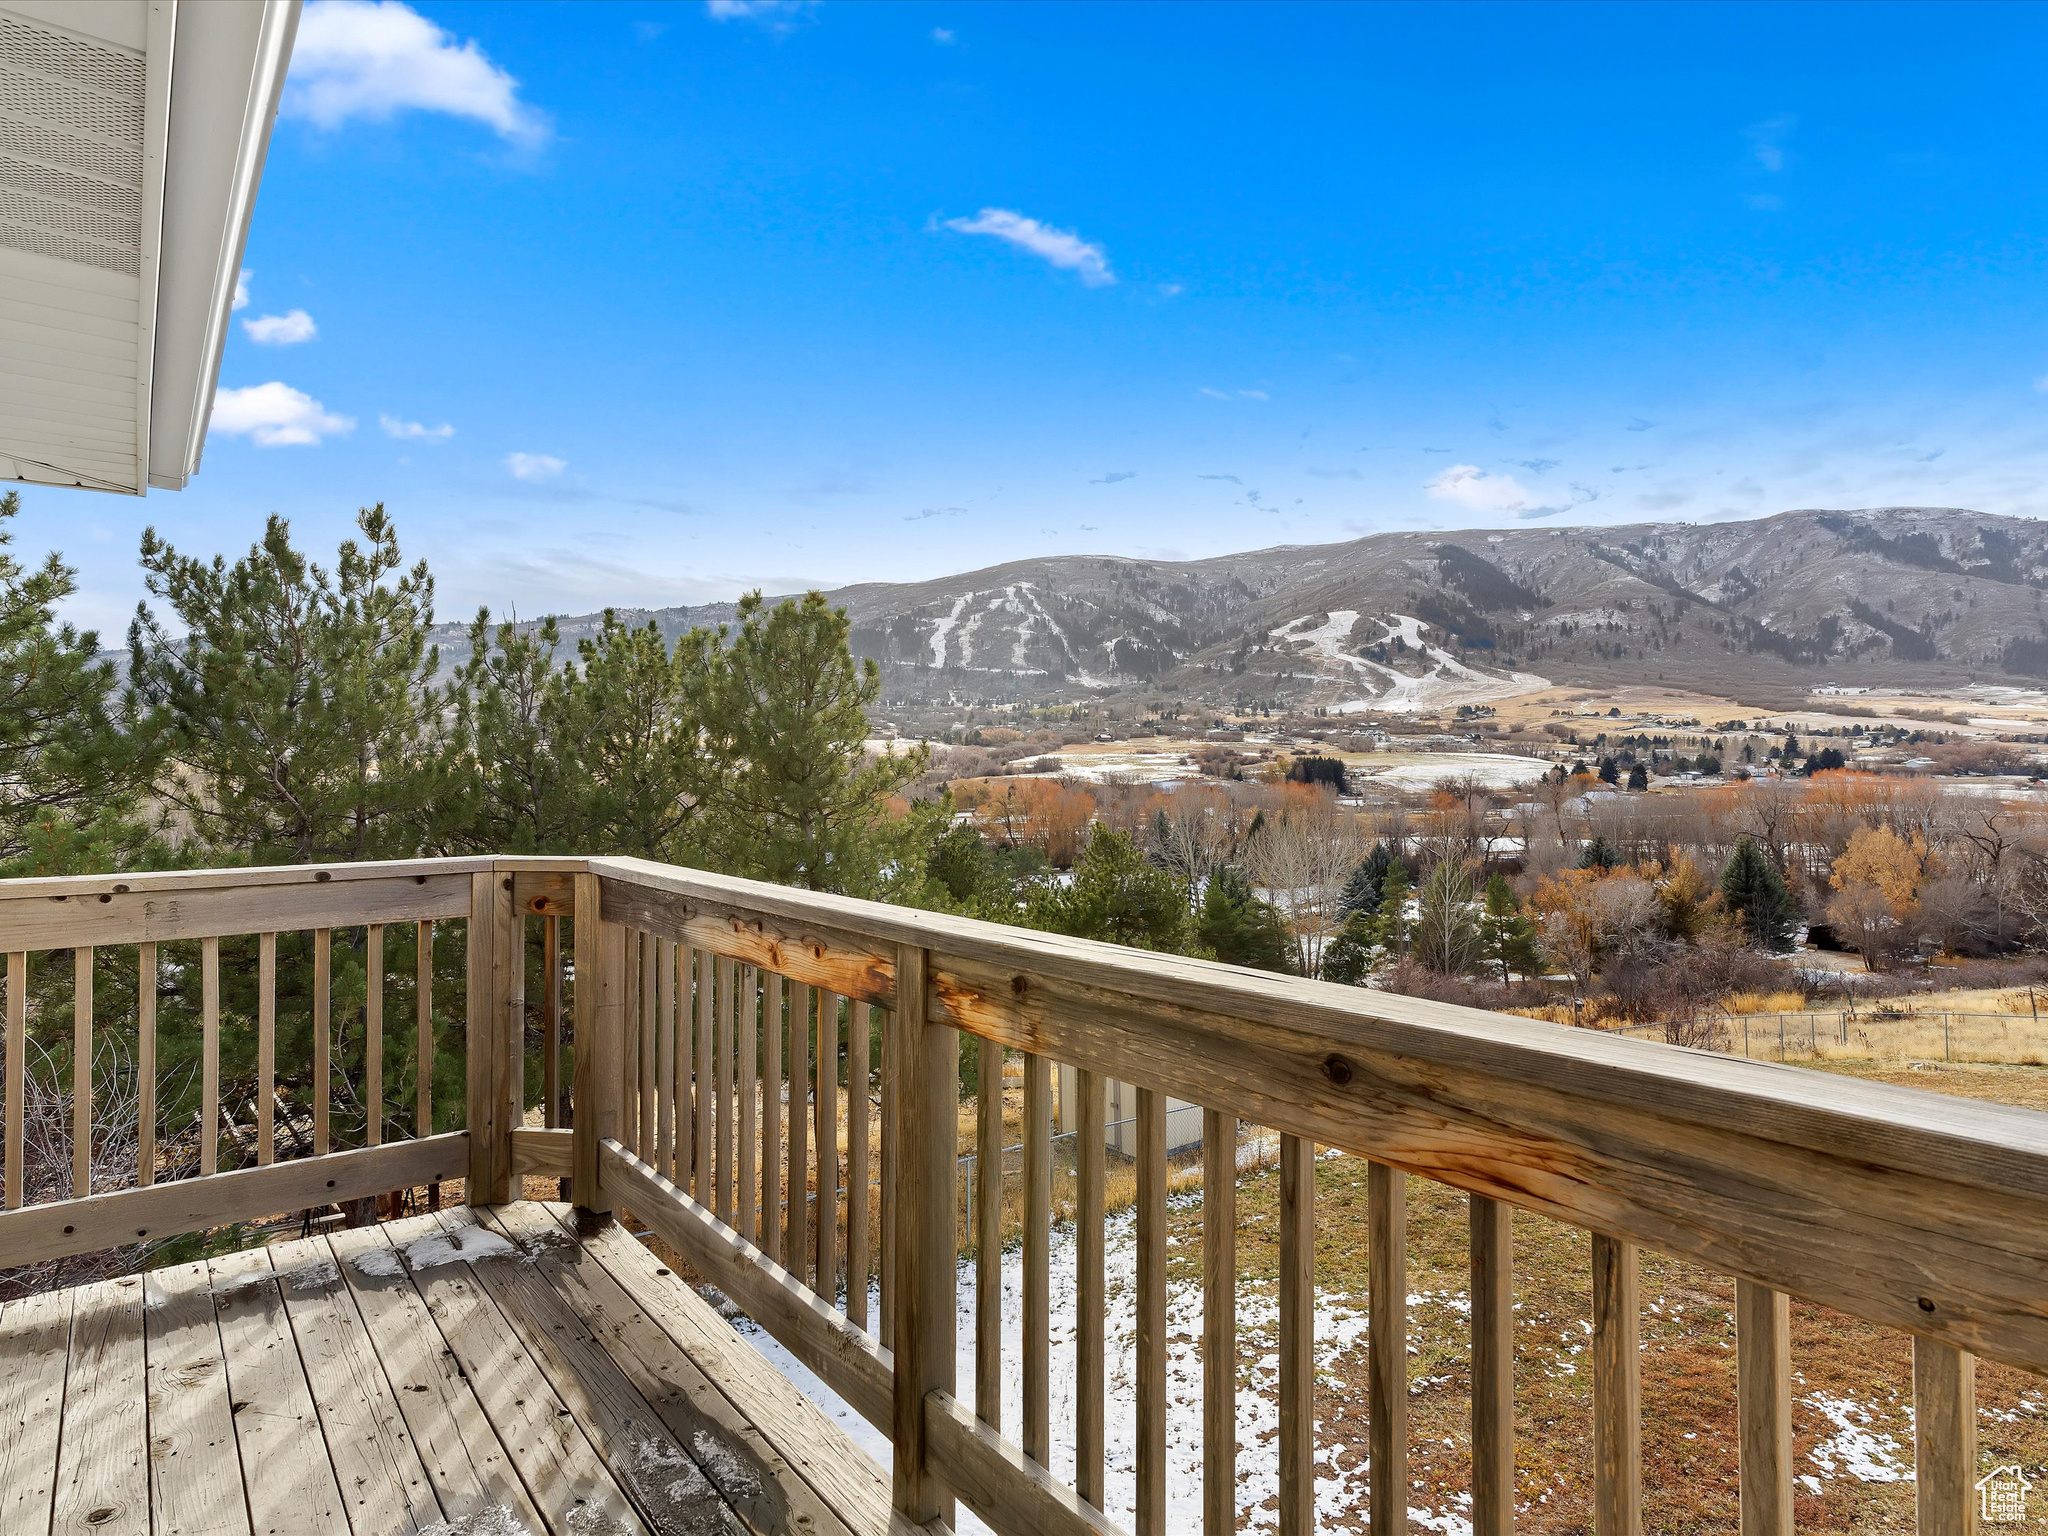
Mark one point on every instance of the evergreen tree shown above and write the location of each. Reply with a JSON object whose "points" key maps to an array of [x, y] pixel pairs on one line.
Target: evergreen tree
{"points": [[1240, 927], [635, 717], [1639, 777], [296, 707], [1362, 890], [1507, 939], [1609, 773], [1116, 894], [518, 767], [1755, 892], [804, 805], [1392, 918], [1598, 854], [69, 776], [1353, 954]]}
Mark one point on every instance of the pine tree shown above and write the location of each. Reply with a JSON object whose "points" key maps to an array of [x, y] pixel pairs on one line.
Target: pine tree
{"points": [[1239, 927], [1753, 890], [517, 762], [1355, 952], [1598, 854], [1639, 777], [1362, 890], [69, 777], [1116, 895], [1507, 939], [635, 717], [788, 712], [296, 707], [1392, 917]]}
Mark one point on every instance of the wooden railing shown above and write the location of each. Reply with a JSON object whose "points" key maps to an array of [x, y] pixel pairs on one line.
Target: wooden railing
{"points": [[723, 1050]]}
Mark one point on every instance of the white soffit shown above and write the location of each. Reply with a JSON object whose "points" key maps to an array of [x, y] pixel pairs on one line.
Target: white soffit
{"points": [[132, 136]]}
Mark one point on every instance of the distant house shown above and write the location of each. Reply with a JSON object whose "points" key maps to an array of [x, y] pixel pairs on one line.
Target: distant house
{"points": [[2003, 1495]]}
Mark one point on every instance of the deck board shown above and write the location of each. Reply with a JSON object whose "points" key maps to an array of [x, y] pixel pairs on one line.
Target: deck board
{"points": [[664, 1480], [472, 1475], [103, 1448], [287, 1470], [762, 1487], [568, 1481], [35, 1343], [195, 1482], [489, 1373], [383, 1484]]}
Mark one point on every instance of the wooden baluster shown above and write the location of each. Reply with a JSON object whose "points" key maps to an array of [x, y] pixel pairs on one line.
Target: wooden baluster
{"points": [[1944, 1439], [635, 1032], [17, 1070], [323, 1040], [1090, 1303], [925, 1066], [145, 1064], [707, 1107], [266, 1048], [494, 1035], [1617, 1389], [423, 1044], [686, 1054], [1038, 1258], [81, 1071], [1151, 1386], [373, 1036], [665, 1058], [722, 1155], [860, 1034], [209, 1055], [772, 988], [551, 1004], [1298, 1339], [1763, 1407], [826, 1106], [891, 1022], [1387, 1354], [797, 1258], [748, 1031], [988, 1233], [1219, 1322], [1493, 1368], [650, 1048]]}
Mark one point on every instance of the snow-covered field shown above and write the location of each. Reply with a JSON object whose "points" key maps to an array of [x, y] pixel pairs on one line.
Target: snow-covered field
{"points": [[1402, 770]]}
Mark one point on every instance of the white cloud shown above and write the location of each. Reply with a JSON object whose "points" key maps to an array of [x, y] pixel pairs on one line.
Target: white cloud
{"points": [[1062, 247], [1233, 394], [281, 330], [1767, 140], [942, 34], [377, 58], [275, 415], [2041, 384], [770, 13], [1481, 490], [534, 466], [242, 289], [394, 427]]}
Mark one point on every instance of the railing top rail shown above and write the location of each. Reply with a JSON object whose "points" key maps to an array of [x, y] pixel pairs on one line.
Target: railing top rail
{"points": [[141, 882], [1991, 1144]]}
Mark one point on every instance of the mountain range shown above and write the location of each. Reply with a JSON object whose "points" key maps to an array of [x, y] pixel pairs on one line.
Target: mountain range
{"points": [[1413, 622]]}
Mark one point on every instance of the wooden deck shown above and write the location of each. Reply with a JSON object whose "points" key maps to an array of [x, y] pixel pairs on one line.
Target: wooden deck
{"points": [[475, 1373]]}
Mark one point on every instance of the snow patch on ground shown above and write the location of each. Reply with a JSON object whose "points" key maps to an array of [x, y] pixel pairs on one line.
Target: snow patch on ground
{"points": [[1447, 682], [944, 627], [495, 1521], [1867, 1454]]}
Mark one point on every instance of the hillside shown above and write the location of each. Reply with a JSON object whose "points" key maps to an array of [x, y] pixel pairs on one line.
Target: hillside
{"points": [[1410, 622]]}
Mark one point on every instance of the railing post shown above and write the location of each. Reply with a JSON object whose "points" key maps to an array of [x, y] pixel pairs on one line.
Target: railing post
{"points": [[600, 1035], [496, 1027], [928, 1089]]}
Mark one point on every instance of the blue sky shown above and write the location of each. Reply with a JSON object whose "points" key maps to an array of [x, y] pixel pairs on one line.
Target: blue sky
{"points": [[649, 304]]}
